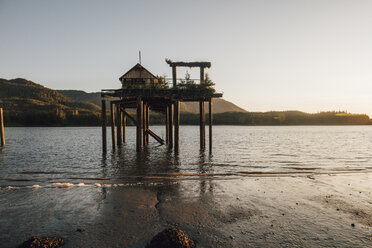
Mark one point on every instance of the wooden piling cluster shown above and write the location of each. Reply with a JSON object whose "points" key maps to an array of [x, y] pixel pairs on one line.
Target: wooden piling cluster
{"points": [[2, 134], [165, 101]]}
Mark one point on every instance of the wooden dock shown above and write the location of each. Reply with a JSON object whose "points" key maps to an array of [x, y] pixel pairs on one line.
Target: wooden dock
{"points": [[162, 100]]}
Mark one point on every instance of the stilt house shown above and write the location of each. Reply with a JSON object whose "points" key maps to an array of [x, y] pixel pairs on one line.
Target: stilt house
{"points": [[138, 78]]}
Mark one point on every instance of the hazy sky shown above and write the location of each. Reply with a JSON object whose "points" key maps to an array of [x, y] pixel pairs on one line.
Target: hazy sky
{"points": [[266, 55]]}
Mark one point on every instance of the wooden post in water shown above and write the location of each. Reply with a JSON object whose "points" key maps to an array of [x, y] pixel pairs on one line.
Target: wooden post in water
{"points": [[118, 124], [139, 124], [202, 114], [104, 130], [144, 125], [170, 125], [210, 124], [124, 125], [113, 126], [147, 123], [176, 126], [166, 124], [175, 116], [202, 125], [2, 134]]}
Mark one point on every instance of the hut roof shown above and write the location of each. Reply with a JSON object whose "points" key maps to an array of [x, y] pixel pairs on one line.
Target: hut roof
{"points": [[137, 71]]}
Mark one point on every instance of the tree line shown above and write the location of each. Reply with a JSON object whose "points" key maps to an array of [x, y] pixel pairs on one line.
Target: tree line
{"points": [[61, 118]]}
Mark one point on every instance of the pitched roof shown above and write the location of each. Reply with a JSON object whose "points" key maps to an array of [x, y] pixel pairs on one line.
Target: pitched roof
{"points": [[138, 67]]}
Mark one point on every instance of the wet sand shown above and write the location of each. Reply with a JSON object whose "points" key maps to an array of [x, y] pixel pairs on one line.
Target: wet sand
{"points": [[321, 210]]}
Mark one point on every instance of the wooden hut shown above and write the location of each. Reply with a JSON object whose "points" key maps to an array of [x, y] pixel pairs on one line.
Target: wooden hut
{"points": [[140, 90], [138, 77]]}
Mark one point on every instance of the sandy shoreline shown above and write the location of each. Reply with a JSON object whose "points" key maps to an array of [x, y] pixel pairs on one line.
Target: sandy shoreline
{"points": [[327, 210]]}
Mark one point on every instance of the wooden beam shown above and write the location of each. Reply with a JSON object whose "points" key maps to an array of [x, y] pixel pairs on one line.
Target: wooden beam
{"points": [[118, 125], [210, 123], [104, 129], [139, 124], [202, 125], [188, 64], [2, 133], [157, 138], [113, 126], [170, 125], [130, 117], [176, 126]]}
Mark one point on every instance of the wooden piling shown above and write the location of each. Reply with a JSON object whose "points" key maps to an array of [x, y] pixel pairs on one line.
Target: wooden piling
{"points": [[124, 123], [147, 123], [139, 123], [144, 125], [202, 114], [104, 130], [176, 126], [118, 125], [210, 123], [113, 126], [167, 124], [2, 133], [202, 124], [170, 125]]}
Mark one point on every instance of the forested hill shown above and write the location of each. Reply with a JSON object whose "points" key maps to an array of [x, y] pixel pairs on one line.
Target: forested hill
{"points": [[219, 105], [28, 103]]}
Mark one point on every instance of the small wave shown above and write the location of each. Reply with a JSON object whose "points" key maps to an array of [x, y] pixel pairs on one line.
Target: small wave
{"points": [[195, 174], [284, 155], [18, 179], [91, 178], [42, 172], [303, 168], [62, 185], [98, 185], [12, 187]]}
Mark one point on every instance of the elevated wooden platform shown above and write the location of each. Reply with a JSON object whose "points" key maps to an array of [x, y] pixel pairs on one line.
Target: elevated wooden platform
{"points": [[162, 100]]}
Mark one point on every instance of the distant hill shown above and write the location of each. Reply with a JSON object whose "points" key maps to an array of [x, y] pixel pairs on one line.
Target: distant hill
{"points": [[28, 103], [219, 105], [82, 96]]}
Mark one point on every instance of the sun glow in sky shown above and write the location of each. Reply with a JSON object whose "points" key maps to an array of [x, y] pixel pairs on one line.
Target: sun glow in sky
{"points": [[266, 54]]}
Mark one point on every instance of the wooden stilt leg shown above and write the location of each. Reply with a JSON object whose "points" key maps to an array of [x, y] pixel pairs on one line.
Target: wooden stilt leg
{"points": [[147, 123], [2, 133], [113, 126], [170, 125], [124, 125], [139, 123], [176, 126], [202, 125], [144, 125], [167, 125], [104, 130], [118, 125], [210, 124]]}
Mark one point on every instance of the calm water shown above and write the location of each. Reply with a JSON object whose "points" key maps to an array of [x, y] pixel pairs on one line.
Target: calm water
{"points": [[42, 155], [140, 197]]}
